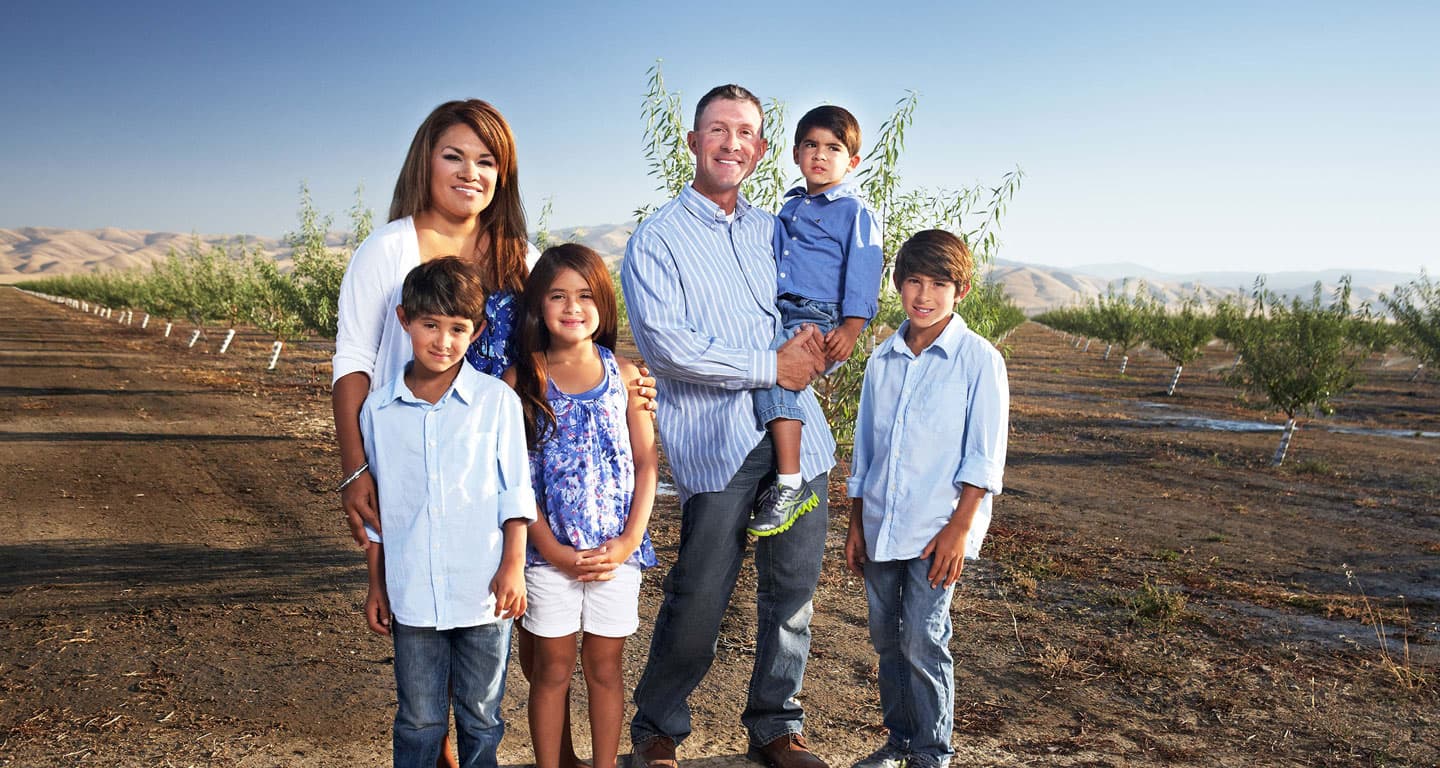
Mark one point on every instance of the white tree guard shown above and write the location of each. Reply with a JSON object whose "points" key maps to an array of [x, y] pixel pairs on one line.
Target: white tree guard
{"points": [[1174, 380], [229, 337], [1284, 444], [194, 337], [275, 355], [1419, 371], [146, 322], [1107, 350], [168, 326], [1087, 346], [1124, 361]]}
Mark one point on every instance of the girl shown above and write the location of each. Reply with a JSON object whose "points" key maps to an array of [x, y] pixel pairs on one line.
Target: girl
{"points": [[594, 467]]}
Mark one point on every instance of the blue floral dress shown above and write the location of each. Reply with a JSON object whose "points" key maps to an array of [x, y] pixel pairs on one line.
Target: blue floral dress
{"points": [[494, 349], [584, 475]]}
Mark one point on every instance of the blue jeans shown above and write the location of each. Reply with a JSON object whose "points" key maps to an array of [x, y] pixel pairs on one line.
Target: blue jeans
{"points": [[698, 590], [429, 664], [910, 629], [795, 311]]}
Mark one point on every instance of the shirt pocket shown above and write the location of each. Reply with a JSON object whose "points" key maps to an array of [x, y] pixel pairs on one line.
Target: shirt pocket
{"points": [[941, 410], [471, 468]]}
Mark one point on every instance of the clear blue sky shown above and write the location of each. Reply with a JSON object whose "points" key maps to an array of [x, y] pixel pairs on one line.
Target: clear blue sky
{"points": [[1252, 136]]}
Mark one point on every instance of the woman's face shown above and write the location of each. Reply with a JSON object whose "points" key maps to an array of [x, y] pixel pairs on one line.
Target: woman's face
{"points": [[462, 174]]}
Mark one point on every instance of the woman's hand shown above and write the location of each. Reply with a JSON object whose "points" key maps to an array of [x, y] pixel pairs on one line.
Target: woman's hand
{"points": [[361, 506]]}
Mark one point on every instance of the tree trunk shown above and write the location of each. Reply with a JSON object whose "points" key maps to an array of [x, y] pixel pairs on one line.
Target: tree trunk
{"points": [[193, 338], [1284, 443], [1174, 380], [1419, 372], [229, 337], [1087, 346]]}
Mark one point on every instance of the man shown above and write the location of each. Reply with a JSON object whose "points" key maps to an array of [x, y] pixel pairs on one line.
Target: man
{"points": [[699, 282]]}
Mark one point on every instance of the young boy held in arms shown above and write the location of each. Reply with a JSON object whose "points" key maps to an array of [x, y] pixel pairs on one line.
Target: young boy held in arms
{"points": [[828, 256], [930, 440], [446, 446]]}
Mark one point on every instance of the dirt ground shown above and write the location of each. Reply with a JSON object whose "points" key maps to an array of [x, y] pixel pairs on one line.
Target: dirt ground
{"points": [[178, 588]]}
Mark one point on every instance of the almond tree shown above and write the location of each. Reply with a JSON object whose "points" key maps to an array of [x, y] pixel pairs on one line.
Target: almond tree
{"points": [[1415, 307], [1179, 335], [1120, 320], [1296, 354]]}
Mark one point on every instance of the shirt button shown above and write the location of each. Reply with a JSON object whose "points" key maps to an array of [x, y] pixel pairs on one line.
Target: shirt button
{"points": [[792, 237], [782, 274], [792, 218], [807, 202], [787, 251]]}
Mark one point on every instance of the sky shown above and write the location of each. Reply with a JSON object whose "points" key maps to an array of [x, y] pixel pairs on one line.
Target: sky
{"points": [[1252, 136]]}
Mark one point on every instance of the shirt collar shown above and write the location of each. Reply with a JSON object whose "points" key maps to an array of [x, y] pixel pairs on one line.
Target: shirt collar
{"points": [[462, 387], [845, 188], [947, 343], [708, 210]]}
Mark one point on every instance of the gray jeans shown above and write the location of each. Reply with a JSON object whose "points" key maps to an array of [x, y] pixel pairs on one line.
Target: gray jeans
{"points": [[698, 590]]}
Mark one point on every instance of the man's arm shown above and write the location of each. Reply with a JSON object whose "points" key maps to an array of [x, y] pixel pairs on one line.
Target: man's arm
{"points": [[655, 299]]}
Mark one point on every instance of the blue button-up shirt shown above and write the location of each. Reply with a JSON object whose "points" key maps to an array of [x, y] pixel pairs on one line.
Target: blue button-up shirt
{"points": [[829, 248], [449, 476], [928, 423], [700, 290]]}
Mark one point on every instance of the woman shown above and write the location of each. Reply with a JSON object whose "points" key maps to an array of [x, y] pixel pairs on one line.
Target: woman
{"points": [[457, 194]]}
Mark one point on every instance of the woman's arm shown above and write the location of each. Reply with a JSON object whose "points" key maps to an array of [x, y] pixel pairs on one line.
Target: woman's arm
{"points": [[359, 499]]}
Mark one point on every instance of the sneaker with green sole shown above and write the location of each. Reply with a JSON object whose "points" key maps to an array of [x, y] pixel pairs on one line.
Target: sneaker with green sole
{"points": [[779, 508]]}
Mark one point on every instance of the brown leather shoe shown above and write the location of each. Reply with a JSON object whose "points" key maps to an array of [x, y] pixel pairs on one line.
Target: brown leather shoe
{"points": [[788, 751], [654, 752]]}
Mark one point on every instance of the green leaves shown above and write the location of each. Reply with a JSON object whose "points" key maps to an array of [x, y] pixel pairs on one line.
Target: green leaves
{"points": [[1415, 308]]}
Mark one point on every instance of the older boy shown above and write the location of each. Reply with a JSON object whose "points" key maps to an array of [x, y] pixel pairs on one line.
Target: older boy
{"points": [[930, 441], [828, 254], [446, 446]]}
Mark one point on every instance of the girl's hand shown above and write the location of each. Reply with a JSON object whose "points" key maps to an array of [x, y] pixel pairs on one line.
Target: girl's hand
{"points": [[565, 558], [362, 507], [644, 387], [599, 564], [377, 611]]}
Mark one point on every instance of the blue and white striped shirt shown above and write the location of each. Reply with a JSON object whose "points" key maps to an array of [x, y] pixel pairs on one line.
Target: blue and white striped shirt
{"points": [[700, 290]]}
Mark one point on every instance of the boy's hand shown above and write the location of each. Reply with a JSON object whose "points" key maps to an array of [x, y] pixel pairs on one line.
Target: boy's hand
{"points": [[377, 611], [855, 538], [361, 507], [840, 341], [948, 547], [508, 586]]}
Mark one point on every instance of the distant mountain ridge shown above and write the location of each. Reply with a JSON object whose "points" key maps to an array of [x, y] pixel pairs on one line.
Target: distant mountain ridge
{"points": [[34, 252]]}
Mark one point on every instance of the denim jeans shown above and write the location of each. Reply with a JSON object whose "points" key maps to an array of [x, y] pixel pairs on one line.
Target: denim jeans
{"points": [[429, 664], [910, 629], [698, 590], [795, 311]]}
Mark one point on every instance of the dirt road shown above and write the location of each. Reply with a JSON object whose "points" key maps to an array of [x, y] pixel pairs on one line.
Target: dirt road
{"points": [[176, 587]]}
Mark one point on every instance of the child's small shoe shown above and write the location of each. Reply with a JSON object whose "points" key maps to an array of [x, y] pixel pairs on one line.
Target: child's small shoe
{"points": [[888, 756], [778, 509]]}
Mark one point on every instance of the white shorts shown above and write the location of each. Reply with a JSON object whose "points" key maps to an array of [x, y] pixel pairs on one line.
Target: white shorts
{"points": [[557, 605]]}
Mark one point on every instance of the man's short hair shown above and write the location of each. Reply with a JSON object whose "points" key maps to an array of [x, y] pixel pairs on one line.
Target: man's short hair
{"points": [[836, 120], [732, 92], [935, 253], [447, 286]]}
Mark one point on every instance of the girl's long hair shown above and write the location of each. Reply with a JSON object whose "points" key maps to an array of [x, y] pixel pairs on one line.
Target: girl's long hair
{"points": [[502, 223], [532, 380]]}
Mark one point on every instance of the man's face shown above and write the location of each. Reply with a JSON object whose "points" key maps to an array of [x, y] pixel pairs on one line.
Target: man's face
{"points": [[727, 146]]}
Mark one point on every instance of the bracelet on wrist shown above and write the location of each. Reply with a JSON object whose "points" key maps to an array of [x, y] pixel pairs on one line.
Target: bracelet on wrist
{"points": [[353, 477]]}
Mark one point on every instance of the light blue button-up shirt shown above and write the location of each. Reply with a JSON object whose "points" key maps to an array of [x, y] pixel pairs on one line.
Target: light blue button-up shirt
{"points": [[449, 476], [700, 290], [928, 423], [828, 247]]}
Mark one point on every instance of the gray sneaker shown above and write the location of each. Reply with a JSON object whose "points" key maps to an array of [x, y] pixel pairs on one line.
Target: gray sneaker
{"points": [[779, 508], [888, 756]]}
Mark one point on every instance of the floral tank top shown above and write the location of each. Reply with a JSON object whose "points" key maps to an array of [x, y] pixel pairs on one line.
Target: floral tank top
{"points": [[584, 475]]}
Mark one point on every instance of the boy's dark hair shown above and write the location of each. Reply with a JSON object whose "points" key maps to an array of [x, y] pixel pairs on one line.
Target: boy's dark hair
{"points": [[836, 120], [732, 92], [447, 286], [935, 253]]}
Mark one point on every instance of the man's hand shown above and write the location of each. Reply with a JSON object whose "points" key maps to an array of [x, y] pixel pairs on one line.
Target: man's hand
{"points": [[645, 387], [840, 341], [948, 547], [800, 359], [361, 507]]}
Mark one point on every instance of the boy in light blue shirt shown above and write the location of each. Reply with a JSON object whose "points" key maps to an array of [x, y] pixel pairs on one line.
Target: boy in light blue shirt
{"points": [[446, 446], [930, 440], [828, 258]]}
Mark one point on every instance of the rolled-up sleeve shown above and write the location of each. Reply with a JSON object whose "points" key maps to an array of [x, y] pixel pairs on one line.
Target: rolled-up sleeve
{"points": [[517, 495], [671, 346], [987, 427]]}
